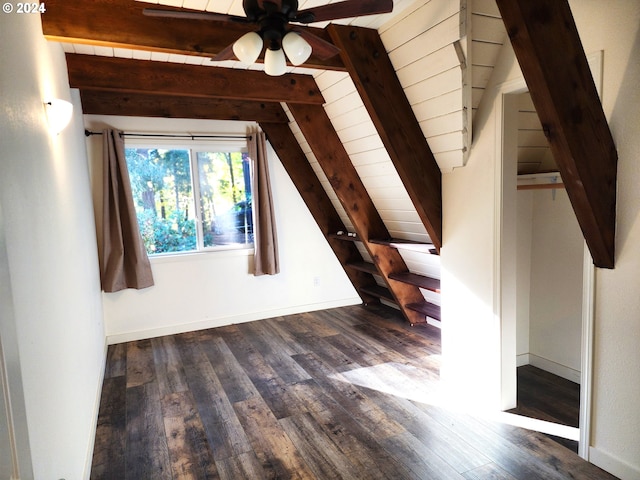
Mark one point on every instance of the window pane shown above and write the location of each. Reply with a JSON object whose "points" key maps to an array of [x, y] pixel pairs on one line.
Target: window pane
{"points": [[163, 196], [225, 198]]}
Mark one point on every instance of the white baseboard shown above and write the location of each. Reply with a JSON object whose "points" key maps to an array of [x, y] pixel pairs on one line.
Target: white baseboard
{"points": [[522, 360], [550, 366], [223, 321], [613, 465]]}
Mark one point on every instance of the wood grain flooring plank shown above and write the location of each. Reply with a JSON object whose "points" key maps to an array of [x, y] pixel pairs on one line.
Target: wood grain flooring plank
{"points": [[562, 461], [245, 466], [140, 363], [224, 432], [279, 328], [548, 397], [110, 440], [270, 386], [490, 471], [189, 452], [503, 452], [321, 455], [116, 364], [437, 438], [146, 454], [349, 396], [361, 354], [362, 449], [413, 454], [187, 442], [318, 324], [274, 352], [277, 395], [398, 339], [275, 450], [233, 378], [168, 366], [329, 354]]}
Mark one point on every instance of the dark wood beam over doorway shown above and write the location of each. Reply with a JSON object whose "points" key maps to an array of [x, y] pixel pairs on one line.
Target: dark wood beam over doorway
{"points": [[546, 42]]}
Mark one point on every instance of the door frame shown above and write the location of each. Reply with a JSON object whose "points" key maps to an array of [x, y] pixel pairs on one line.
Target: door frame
{"points": [[504, 271]]}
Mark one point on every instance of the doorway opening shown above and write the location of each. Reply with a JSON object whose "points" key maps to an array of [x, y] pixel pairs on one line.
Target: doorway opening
{"points": [[545, 292]]}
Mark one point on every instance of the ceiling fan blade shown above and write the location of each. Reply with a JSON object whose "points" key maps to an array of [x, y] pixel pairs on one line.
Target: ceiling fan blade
{"points": [[345, 9], [321, 48], [226, 54], [193, 15]]}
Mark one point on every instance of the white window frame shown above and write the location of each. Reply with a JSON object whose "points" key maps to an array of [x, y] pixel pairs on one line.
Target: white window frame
{"points": [[194, 145]]}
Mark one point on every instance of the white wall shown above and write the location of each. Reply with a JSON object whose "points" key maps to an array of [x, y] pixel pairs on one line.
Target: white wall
{"points": [[615, 28], [549, 266], [204, 290], [54, 323], [470, 331], [556, 285], [523, 272]]}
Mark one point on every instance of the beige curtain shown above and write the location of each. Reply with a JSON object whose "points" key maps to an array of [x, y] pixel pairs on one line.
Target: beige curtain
{"points": [[124, 261], [265, 238]]}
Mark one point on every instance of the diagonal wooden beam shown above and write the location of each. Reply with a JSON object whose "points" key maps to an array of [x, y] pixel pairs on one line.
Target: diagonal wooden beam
{"points": [[370, 68], [100, 102], [92, 72], [314, 196], [121, 24], [336, 164], [546, 42]]}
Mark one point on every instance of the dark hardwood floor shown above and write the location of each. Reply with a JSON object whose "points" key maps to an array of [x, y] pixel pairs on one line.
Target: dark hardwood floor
{"points": [[548, 397], [341, 393]]}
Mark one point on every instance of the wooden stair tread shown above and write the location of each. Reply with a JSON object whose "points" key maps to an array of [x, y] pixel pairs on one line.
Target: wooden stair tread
{"points": [[426, 308], [422, 281], [366, 267], [400, 243], [345, 236], [379, 292]]}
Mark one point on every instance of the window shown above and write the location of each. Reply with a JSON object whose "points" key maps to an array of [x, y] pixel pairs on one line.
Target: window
{"points": [[191, 198]]}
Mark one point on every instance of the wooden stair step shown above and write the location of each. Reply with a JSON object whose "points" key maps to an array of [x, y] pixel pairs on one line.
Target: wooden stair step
{"points": [[379, 292], [426, 308], [345, 236], [422, 281], [400, 243], [366, 267]]}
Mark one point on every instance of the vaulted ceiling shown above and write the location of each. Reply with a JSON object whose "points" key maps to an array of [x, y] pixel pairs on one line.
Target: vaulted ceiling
{"points": [[435, 72]]}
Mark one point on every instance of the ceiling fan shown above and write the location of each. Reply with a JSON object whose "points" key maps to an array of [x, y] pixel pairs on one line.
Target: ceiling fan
{"points": [[274, 19]]}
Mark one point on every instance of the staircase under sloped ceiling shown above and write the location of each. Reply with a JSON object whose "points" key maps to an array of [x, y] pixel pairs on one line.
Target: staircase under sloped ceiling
{"points": [[430, 49]]}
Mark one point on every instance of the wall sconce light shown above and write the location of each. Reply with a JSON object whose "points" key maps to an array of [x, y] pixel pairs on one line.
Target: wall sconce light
{"points": [[58, 114]]}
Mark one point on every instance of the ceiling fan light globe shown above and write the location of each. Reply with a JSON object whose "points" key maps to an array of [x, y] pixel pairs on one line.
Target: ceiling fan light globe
{"points": [[248, 47], [297, 48], [275, 63]]}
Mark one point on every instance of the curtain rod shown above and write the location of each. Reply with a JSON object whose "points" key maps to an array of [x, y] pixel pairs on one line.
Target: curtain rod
{"points": [[89, 133]]}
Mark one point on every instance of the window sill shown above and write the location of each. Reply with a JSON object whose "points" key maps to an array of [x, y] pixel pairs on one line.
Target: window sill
{"points": [[201, 255]]}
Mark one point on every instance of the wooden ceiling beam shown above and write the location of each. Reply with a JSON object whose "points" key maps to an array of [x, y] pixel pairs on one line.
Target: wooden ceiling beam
{"points": [[314, 196], [332, 157], [92, 72], [367, 62], [546, 42], [121, 24], [100, 102]]}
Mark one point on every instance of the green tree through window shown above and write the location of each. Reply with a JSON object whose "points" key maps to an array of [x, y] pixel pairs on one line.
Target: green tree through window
{"points": [[166, 194]]}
